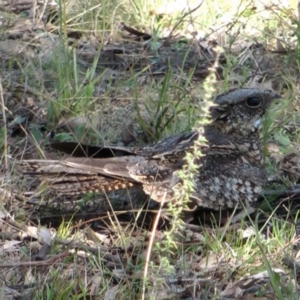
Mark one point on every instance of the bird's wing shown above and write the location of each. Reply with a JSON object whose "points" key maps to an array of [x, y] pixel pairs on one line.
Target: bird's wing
{"points": [[82, 150], [116, 167], [77, 176], [170, 145], [161, 148]]}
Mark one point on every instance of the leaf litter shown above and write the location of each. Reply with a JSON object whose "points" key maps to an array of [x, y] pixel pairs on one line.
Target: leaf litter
{"points": [[101, 244]]}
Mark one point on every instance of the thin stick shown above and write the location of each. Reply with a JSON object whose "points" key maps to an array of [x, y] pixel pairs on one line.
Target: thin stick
{"points": [[181, 19], [5, 126], [155, 225]]}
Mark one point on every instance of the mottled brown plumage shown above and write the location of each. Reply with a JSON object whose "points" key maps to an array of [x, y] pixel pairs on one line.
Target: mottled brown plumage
{"points": [[231, 171]]}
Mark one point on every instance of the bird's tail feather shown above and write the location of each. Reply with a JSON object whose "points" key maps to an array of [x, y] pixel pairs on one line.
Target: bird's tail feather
{"points": [[69, 180]]}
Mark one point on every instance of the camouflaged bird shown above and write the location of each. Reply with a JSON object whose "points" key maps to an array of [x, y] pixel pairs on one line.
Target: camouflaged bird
{"points": [[231, 172]]}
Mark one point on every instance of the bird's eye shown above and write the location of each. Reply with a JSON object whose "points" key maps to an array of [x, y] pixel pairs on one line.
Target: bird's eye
{"points": [[253, 102]]}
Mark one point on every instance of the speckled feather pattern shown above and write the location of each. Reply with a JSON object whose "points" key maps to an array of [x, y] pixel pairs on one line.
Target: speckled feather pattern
{"points": [[231, 172]]}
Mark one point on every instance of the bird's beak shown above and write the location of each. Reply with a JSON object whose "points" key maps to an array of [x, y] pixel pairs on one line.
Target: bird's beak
{"points": [[257, 124], [276, 98]]}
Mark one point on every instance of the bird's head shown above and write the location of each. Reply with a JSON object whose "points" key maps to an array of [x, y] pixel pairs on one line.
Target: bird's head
{"points": [[241, 110]]}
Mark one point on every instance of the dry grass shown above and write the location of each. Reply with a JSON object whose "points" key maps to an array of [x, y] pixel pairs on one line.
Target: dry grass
{"points": [[57, 79]]}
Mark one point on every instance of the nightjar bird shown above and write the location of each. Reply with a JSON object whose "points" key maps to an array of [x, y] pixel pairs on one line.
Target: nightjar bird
{"points": [[231, 171]]}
